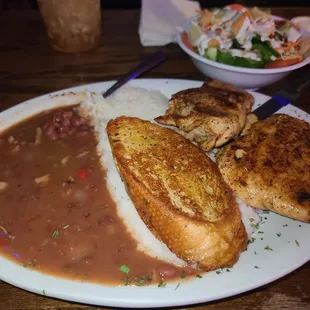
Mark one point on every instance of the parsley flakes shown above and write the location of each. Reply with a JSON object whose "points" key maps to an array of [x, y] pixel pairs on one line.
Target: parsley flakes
{"points": [[127, 281], [55, 234], [161, 284], [32, 263], [256, 226], [268, 248], [251, 240], [143, 280], [124, 269]]}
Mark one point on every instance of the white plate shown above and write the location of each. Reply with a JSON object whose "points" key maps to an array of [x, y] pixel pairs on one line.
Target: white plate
{"points": [[285, 256]]}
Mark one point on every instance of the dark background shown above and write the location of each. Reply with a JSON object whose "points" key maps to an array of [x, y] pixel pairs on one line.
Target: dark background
{"points": [[136, 4]]}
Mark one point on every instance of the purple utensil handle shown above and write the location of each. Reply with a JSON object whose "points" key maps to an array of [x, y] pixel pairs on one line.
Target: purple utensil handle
{"points": [[144, 66]]}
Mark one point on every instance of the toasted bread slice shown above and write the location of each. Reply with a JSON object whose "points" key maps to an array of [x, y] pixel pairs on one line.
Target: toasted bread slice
{"points": [[178, 192]]}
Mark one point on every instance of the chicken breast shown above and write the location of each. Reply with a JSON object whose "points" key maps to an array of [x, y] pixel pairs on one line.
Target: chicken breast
{"points": [[210, 115], [178, 192], [269, 167]]}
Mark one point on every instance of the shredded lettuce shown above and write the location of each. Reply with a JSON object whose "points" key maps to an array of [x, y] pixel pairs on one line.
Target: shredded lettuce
{"points": [[228, 59], [264, 49], [236, 44]]}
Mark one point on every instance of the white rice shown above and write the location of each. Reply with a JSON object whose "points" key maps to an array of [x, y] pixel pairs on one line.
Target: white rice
{"points": [[145, 104]]}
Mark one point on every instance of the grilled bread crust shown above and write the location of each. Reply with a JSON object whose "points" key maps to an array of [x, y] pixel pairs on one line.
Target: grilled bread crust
{"points": [[178, 192], [209, 115], [269, 167]]}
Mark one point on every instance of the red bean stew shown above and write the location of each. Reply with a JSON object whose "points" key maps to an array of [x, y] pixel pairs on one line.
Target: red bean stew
{"points": [[56, 214]]}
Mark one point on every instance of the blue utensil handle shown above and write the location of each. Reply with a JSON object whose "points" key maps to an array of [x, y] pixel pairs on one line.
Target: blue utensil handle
{"points": [[282, 101], [144, 66], [270, 107]]}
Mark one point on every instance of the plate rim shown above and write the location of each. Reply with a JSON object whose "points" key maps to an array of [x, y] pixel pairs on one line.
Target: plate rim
{"points": [[124, 302]]}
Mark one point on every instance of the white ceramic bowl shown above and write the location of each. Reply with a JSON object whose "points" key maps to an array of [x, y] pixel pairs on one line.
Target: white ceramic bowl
{"points": [[247, 78]]}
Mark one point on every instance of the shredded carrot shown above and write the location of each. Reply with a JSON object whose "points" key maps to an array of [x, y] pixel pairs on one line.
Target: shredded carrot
{"points": [[287, 46], [280, 23]]}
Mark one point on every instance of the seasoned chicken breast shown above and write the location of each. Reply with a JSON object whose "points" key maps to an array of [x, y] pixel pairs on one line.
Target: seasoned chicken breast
{"points": [[210, 115], [178, 192], [269, 167]]}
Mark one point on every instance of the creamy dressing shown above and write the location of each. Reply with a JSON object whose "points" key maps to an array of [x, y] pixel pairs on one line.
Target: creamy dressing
{"points": [[293, 35], [244, 54], [246, 40], [275, 44], [251, 55]]}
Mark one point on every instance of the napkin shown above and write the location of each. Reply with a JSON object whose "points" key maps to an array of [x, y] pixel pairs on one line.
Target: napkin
{"points": [[159, 19]]}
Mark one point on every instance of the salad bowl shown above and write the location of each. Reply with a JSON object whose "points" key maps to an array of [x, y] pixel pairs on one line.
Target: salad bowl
{"points": [[244, 77]]}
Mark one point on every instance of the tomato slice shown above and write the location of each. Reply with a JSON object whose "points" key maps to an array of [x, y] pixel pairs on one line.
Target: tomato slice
{"points": [[281, 63], [185, 41]]}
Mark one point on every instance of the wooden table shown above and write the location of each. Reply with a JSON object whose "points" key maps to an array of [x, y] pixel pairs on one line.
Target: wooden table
{"points": [[29, 67]]}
